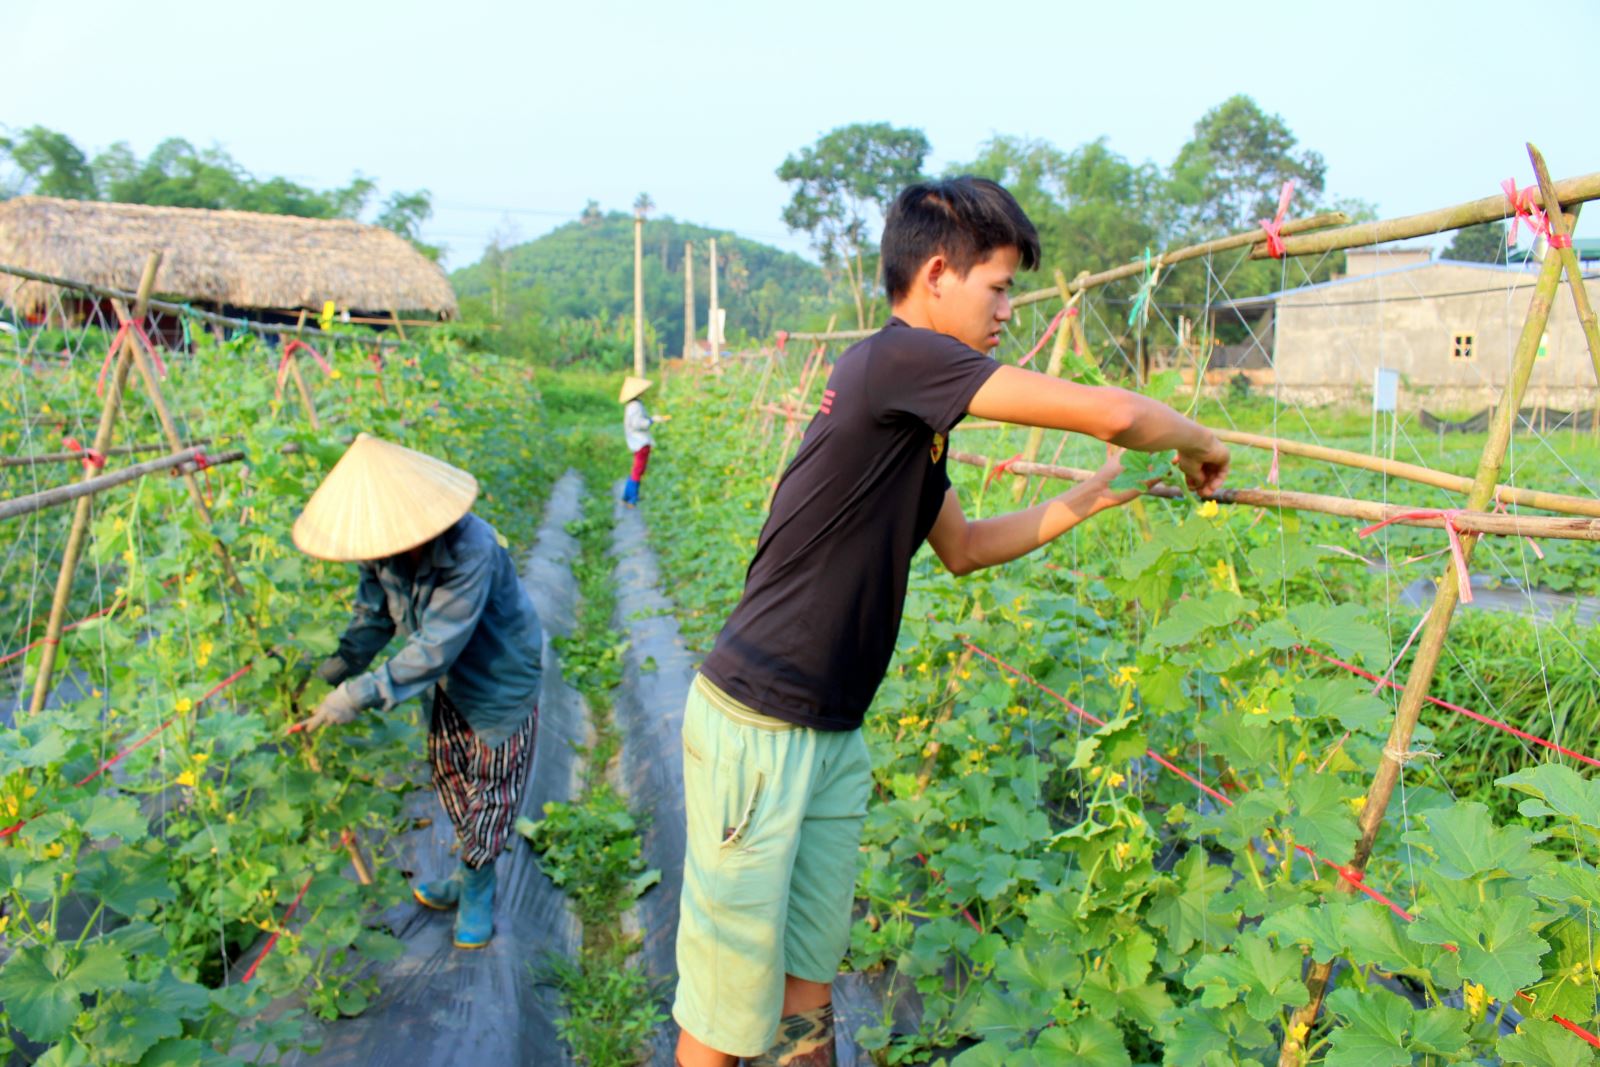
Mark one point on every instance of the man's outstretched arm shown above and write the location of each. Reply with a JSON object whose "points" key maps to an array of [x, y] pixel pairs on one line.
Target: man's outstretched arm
{"points": [[964, 546], [1114, 415]]}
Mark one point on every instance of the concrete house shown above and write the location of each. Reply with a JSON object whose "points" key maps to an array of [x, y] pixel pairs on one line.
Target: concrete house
{"points": [[1448, 327]]}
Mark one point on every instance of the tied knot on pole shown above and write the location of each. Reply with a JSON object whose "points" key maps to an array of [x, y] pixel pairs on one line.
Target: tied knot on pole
{"points": [[1273, 227], [1001, 468], [1139, 311], [201, 460], [1408, 755], [783, 341], [289, 349], [92, 460], [1457, 553], [1049, 331], [1560, 240], [127, 328], [1524, 204]]}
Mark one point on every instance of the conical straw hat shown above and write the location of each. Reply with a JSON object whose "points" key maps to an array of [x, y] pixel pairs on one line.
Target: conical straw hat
{"points": [[632, 388], [381, 499]]}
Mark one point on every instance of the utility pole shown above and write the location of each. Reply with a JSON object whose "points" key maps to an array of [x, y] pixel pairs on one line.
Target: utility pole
{"points": [[638, 291], [688, 300], [712, 320]]}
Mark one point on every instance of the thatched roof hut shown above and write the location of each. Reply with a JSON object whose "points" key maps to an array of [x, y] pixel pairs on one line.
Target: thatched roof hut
{"points": [[235, 259]]}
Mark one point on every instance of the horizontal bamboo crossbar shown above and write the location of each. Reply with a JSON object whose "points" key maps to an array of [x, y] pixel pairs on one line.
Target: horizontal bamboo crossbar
{"points": [[1483, 522], [1178, 255], [46, 498], [1411, 472], [1474, 212], [66, 457], [196, 313]]}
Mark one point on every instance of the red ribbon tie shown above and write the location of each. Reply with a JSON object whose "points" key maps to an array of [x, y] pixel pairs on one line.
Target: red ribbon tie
{"points": [[1463, 578], [1274, 225]]}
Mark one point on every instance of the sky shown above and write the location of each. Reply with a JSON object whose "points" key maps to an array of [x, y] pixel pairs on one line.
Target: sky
{"points": [[513, 116]]}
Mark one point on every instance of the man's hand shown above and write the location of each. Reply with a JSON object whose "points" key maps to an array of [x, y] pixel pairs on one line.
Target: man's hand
{"points": [[1108, 473], [1205, 469], [336, 708]]}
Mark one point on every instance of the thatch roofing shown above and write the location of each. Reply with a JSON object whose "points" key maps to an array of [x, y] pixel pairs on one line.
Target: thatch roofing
{"points": [[238, 258]]}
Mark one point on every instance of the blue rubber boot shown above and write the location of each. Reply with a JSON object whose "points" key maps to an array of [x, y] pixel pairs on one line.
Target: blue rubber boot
{"points": [[475, 918], [441, 894], [630, 492]]}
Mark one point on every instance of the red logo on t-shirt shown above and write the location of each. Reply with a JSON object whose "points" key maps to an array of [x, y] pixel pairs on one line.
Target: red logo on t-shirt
{"points": [[826, 407]]}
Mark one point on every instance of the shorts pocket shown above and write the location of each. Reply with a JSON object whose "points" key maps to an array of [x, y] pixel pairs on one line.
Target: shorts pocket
{"points": [[739, 814]]}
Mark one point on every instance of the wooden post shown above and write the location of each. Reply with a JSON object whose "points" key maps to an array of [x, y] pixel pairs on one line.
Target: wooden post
{"points": [[300, 379], [152, 387], [103, 435], [638, 293], [1569, 260], [1430, 645], [711, 318], [1058, 353], [399, 329], [688, 300]]}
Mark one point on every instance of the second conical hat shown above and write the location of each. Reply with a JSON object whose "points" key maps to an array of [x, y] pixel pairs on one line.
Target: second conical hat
{"points": [[632, 389], [381, 499]]}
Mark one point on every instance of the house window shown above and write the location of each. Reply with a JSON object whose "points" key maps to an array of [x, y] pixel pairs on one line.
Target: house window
{"points": [[1461, 346]]}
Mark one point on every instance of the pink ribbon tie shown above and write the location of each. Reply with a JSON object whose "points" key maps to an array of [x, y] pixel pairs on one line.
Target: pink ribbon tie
{"points": [[1463, 577], [1274, 225]]}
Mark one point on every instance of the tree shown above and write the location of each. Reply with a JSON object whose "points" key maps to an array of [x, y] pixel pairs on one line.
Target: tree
{"points": [[48, 164], [591, 213], [1229, 174], [1485, 243], [404, 214], [842, 185], [643, 205]]}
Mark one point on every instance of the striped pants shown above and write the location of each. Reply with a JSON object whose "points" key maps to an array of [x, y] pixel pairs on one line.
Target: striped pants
{"points": [[480, 787]]}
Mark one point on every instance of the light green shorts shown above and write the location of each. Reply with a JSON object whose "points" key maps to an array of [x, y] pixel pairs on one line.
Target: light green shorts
{"points": [[775, 814]]}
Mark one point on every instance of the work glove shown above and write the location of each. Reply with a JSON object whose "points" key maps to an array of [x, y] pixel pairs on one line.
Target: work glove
{"points": [[338, 707], [332, 670]]}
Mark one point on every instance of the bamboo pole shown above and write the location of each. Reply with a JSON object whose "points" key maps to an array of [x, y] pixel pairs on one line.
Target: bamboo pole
{"points": [[688, 300], [104, 433], [180, 309], [1489, 209], [300, 379], [1058, 353], [1411, 472], [713, 334], [72, 457], [152, 385], [1569, 260], [46, 498], [1178, 255], [638, 292], [394, 320], [1469, 520], [1430, 645]]}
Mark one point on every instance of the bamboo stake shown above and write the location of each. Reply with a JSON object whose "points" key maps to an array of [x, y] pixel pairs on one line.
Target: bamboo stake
{"points": [[65, 494], [1411, 472], [1472, 520], [394, 320], [103, 435], [71, 457], [1430, 645], [1489, 209], [300, 380], [1058, 353], [1569, 260], [1178, 255], [152, 385]]}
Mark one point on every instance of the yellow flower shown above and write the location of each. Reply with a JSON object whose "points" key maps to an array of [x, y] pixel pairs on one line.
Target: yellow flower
{"points": [[53, 849], [119, 525], [1095, 773], [1222, 570], [200, 757], [922, 668], [1298, 1032], [965, 674], [183, 706], [1116, 779], [12, 807], [5, 921], [1122, 850], [187, 778], [1209, 509], [337, 374], [908, 720], [1126, 675], [202, 655], [1357, 804], [44, 409], [1260, 709], [1477, 999]]}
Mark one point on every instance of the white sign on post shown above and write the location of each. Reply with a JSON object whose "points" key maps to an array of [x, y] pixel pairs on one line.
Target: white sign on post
{"points": [[720, 324], [1385, 390]]}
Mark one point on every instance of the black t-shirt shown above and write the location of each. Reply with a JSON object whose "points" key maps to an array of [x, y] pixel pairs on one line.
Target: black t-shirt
{"points": [[813, 633]]}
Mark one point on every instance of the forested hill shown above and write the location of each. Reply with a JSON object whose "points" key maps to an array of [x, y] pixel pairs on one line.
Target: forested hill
{"points": [[585, 269]]}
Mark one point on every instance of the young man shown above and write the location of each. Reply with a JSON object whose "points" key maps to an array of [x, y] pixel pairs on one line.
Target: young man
{"points": [[776, 775], [436, 573]]}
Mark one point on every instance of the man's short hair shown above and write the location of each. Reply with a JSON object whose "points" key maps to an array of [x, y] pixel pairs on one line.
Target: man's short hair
{"points": [[964, 219]]}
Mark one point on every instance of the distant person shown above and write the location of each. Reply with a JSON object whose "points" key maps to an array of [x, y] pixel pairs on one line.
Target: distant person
{"points": [[440, 576], [636, 423], [776, 774]]}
